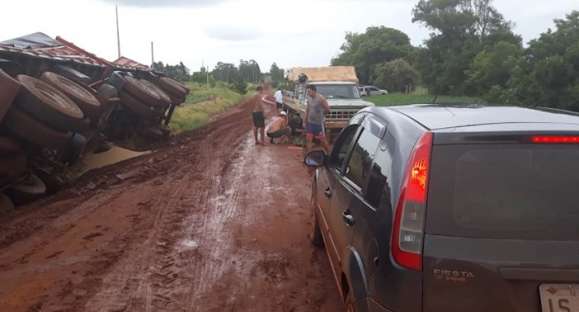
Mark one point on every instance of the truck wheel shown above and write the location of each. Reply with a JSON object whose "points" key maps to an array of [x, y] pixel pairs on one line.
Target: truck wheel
{"points": [[27, 128], [8, 91], [73, 74], [165, 99], [49, 105], [8, 146], [174, 88], [82, 96], [141, 92], [28, 190], [136, 106]]}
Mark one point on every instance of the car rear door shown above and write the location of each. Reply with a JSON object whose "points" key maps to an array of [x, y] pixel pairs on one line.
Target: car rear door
{"points": [[502, 229]]}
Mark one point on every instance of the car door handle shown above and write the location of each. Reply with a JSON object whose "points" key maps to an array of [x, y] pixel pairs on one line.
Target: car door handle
{"points": [[328, 192], [348, 218]]}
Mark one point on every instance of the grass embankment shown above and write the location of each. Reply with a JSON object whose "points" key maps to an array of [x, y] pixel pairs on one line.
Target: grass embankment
{"points": [[202, 103], [421, 96]]}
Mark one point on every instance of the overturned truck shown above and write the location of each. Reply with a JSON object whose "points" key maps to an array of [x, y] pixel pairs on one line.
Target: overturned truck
{"points": [[59, 102]]}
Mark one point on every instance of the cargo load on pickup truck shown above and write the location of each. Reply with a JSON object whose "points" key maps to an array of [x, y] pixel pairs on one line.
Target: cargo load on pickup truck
{"points": [[326, 73]]}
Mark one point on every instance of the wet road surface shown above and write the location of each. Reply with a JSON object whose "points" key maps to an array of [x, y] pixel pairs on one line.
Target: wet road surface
{"points": [[210, 223]]}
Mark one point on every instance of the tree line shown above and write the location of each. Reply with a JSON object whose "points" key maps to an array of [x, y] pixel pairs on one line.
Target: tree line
{"points": [[236, 77], [472, 50]]}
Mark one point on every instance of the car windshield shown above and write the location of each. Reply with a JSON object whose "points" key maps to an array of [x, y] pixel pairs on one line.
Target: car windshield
{"points": [[505, 191], [339, 91]]}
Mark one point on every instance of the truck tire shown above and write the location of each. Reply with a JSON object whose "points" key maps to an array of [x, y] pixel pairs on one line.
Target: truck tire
{"points": [[141, 92], [9, 88], [173, 87], [73, 74], [49, 105], [136, 106], [82, 96], [33, 131], [27, 190], [8, 146], [12, 166], [165, 99]]}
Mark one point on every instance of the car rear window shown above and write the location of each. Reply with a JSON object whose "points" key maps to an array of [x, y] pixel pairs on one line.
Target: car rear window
{"points": [[505, 191]]}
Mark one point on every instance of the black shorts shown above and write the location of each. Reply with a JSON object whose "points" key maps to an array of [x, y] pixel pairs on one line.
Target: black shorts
{"points": [[258, 119], [279, 105]]}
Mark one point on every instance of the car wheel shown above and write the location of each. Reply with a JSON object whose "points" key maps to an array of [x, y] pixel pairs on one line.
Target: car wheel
{"points": [[49, 105], [85, 98], [8, 91], [29, 129], [141, 92]]}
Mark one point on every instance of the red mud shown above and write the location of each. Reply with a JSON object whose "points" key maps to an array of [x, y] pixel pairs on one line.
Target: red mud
{"points": [[209, 223]]}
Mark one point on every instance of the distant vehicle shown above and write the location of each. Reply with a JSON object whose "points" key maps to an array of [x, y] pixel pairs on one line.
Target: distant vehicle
{"points": [[438, 208], [371, 90]]}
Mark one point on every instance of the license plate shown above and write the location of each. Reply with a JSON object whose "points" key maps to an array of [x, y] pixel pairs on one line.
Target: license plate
{"points": [[559, 297]]}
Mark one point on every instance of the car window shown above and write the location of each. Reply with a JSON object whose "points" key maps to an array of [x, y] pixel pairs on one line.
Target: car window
{"points": [[378, 188], [342, 146], [358, 169], [500, 191]]}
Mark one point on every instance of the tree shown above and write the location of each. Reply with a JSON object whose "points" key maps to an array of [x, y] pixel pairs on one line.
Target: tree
{"points": [[461, 29], [250, 71], [179, 71], [396, 76], [277, 74], [226, 72], [377, 45], [548, 75]]}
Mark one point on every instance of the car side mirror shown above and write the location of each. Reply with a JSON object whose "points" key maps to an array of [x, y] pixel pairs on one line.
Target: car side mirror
{"points": [[315, 159]]}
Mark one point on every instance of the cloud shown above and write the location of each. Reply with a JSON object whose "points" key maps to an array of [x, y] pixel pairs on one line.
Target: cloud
{"points": [[166, 3], [232, 33]]}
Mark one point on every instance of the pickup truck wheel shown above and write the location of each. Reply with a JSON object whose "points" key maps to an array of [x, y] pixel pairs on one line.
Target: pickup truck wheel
{"points": [[49, 105], [173, 87], [165, 99], [86, 99], [141, 92], [29, 129], [136, 106], [8, 91]]}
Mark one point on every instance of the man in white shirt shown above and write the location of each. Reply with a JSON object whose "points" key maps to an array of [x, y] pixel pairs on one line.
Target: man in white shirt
{"points": [[279, 99]]}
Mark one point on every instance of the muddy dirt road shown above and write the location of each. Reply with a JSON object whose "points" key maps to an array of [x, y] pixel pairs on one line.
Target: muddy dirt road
{"points": [[210, 223]]}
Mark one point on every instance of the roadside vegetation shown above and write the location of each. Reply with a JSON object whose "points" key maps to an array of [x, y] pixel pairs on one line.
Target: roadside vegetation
{"points": [[202, 103], [395, 99]]}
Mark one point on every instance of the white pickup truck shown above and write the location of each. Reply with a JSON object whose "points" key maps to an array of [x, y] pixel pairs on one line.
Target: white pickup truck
{"points": [[338, 84]]}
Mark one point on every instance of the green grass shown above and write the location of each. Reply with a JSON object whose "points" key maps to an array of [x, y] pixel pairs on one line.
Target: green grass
{"points": [[420, 97], [201, 104]]}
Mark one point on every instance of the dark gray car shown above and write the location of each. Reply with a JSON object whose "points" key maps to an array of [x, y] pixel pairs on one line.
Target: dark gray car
{"points": [[434, 208]]}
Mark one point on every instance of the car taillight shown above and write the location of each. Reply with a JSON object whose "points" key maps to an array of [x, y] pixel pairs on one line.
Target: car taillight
{"points": [[555, 139], [408, 228]]}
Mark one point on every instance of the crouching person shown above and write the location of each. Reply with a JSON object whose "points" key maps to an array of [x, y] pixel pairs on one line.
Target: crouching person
{"points": [[278, 129]]}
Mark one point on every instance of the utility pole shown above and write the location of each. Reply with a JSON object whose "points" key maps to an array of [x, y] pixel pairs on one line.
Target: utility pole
{"points": [[152, 54], [118, 32]]}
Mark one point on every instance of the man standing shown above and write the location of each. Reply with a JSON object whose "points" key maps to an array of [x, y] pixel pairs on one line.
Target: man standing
{"points": [[316, 111], [279, 99], [258, 116]]}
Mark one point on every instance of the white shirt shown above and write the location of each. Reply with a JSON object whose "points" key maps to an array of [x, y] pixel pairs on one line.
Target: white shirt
{"points": [[278, 96]]}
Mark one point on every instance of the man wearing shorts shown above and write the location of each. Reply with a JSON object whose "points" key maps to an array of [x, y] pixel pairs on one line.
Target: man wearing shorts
{"points": [[316, 112], [258, 117], [278, 128]]}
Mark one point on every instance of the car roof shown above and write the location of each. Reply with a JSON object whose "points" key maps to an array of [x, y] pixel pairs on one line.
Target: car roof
{"points": [[437, 117]]}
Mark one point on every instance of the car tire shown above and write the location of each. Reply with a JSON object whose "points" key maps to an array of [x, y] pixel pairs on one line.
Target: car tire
{"points": [[136, 106], [49, 105], [84, 97], [141, 92], [29, 129], [174, 88]]}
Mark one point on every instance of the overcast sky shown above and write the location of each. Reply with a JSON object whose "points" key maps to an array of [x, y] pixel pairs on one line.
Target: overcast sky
{"points": [[291, 33]]}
